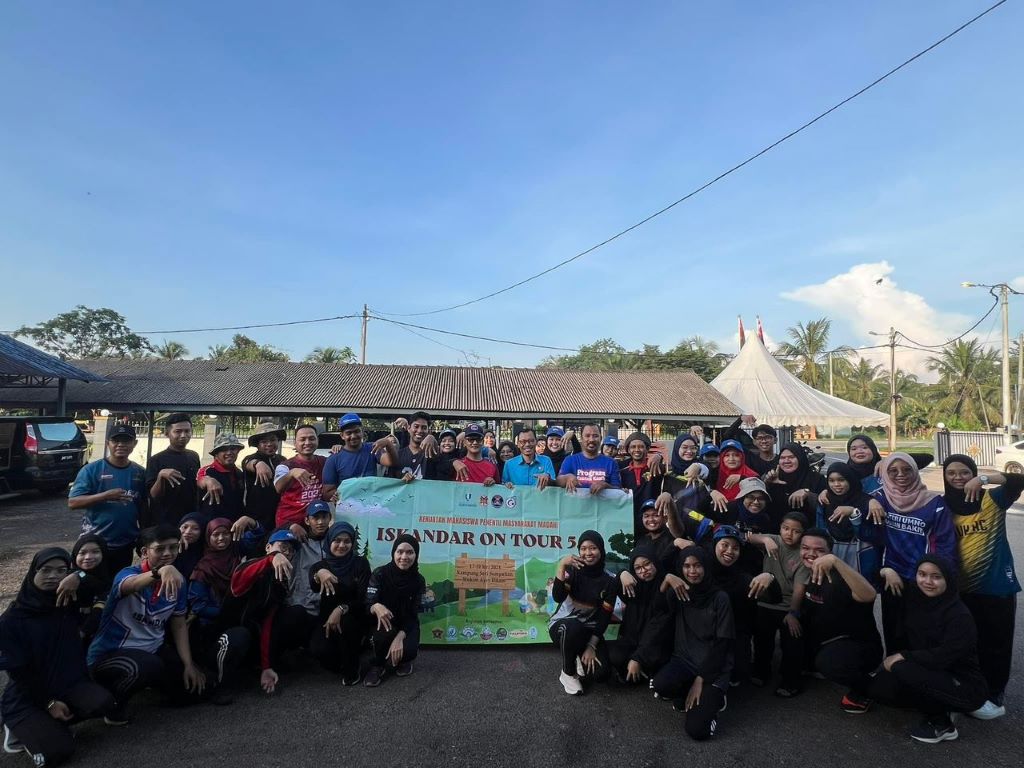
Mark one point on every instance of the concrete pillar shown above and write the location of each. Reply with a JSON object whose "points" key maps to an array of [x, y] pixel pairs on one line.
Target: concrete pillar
{"points": [[100, 424], [209, 435]]}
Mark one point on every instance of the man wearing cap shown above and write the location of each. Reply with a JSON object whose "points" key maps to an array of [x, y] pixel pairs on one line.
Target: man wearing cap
{"points": [[299, 617], [171, 474], [229, 501], [610, 446], [473, 467], [261, 496], [709, 455], [356, 458], [528, 468], [589, 469], [300, 480], [112, 494]]}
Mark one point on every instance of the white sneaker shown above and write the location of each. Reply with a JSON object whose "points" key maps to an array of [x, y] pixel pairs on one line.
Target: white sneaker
{"points": [[11, 744], [580, 671], [571, 684], [988, 711]]}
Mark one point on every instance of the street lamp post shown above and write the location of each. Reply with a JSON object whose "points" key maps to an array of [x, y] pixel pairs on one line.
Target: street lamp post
{"points": [[1004, 302], [893, 394]]}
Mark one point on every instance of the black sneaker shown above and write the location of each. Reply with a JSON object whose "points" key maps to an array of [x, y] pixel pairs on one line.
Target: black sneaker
{"points": [[935, 729], [855, 705], [351, 679], [374, 676], [784, 692], [404, 669], [117, 716]]}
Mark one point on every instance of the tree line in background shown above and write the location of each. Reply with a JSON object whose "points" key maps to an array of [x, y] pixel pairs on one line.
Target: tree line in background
{"points": [[966, 395]]}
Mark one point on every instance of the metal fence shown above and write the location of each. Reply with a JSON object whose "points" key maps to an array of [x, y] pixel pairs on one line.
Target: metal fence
{"points": [[980, 446]]}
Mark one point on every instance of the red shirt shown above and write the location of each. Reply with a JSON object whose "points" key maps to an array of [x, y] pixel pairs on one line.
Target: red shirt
{"points": [[291, 508], [481, 470]]}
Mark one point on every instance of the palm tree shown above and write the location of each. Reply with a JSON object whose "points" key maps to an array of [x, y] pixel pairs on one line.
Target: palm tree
{"points": [[171, 350], [968, 382], [217, 351], [806, 351], [331, 355], [859, 382]]}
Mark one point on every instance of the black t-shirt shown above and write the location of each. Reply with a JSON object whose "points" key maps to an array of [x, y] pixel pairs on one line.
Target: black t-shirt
{"points": [[173, 503], [829, 611], [261, 500], [759, 465], [409, 460]]}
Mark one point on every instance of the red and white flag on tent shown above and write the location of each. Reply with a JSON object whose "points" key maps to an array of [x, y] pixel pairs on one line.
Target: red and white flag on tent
{"points": [[760, 330], [743, 336]]}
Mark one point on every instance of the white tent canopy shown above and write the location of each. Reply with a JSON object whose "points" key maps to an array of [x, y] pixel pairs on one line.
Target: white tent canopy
{"points": [[760, 385]]}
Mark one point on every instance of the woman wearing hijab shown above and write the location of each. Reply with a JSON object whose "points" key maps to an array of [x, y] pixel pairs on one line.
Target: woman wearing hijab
{"points": [[863, 457], [88, 583], [917, 523], [585, 593], [793, 485], [937, 672], [732, 468], [696, 677], [341, 579], [394, 595], [192, 528], [848, 515], [728, 573], [645, 635], [988, 582], [48, 685]]}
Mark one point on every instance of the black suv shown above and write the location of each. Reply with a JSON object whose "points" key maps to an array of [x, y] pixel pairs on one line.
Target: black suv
{"points": [[41, 452]]}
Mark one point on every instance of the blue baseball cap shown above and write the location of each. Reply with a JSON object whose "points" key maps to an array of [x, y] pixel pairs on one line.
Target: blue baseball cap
{"points": [[350, 420], [649, 504], [727, 532], [449, 432], [285, 536], [709, 448], [610, 440], [736, 445], [556, 431], [318, 508], [474, 430]]}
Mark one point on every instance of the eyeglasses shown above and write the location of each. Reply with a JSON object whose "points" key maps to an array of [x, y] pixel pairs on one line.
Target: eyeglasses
{"points": [[639, 567]]}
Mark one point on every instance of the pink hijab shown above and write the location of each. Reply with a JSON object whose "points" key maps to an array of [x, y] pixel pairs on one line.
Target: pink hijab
{"points": [[910, 496]]}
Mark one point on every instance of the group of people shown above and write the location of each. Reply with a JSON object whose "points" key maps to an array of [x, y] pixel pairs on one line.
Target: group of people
{"points": [[737, 548], [731, 561]]}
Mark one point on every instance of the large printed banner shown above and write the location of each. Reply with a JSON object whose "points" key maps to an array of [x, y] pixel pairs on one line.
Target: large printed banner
{"points": [[487, 554]]}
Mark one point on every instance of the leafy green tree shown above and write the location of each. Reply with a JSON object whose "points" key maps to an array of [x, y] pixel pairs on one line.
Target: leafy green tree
{"points": [[245, 350], [968, 383], [86, 333], [331, 355], [694, 353], [859, 383], [806, 352], [171, 350]]}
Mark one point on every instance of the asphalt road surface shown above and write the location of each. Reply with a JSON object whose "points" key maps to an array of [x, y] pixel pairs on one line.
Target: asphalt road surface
{"points": [[498, 707]]}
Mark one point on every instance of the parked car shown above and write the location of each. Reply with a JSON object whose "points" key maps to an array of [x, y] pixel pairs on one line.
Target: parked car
{"points": [[1010, 458], [40, 452]]}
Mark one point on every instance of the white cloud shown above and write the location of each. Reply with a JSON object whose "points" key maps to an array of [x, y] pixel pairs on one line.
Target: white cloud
{"points": [[1017, 283], [866, 299]]}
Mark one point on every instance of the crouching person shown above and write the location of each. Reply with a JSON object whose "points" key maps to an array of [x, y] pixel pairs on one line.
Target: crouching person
{"points": [[146, 603], [48, 685], [394, 596]]}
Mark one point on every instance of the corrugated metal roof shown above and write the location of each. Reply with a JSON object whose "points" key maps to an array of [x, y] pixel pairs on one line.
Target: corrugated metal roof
{"points": [[19, 359], [207, 386]]}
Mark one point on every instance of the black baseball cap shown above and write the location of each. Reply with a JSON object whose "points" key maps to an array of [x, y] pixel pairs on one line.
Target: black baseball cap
{"points": [[122, 430]]}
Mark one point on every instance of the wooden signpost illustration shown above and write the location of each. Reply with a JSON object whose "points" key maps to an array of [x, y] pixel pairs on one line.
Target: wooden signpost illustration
{"points": [[487, 574]]}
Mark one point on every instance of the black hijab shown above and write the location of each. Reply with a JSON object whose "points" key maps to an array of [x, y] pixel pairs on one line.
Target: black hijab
{"points": [[702, 592], [186, 561], [844, 529], [101, 572], [404, 584], [868, 469], [678, 464], [955, 497], [803, 477], [342, 567], [590, 583], [31, 599], [928, 617], [644, 590]]}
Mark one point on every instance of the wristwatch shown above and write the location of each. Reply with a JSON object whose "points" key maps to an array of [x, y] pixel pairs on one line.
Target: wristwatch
{"points": [[983, 479]]}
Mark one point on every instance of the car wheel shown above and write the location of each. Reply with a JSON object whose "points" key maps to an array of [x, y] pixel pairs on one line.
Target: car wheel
{"points": [[1013, 468]]}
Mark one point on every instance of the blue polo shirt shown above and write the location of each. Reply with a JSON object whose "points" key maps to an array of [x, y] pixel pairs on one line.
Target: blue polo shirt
{"points": [[116, 521], [518, 472], [344, 464]]}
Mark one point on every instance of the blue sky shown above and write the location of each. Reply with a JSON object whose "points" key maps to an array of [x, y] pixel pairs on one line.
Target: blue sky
{"points": [[206, 164]]}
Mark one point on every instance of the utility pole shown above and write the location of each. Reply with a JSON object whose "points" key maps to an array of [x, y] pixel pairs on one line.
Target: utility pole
{"points": [[1004, 300], [1020, 382], [362, 343], [892, 389]]}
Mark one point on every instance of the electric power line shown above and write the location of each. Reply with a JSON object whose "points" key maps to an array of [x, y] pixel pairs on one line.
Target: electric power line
{"points": [[707, 184], [247, 327], [957, 338]]}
